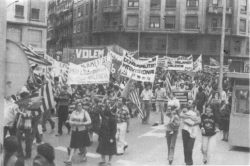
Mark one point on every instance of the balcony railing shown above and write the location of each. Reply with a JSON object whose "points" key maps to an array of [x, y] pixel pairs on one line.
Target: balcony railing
{"points": [[217, 30], [111, 9], [112, 28], [219, 10]]}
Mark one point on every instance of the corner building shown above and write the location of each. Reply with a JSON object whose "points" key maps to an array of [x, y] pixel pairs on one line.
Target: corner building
{"points": [[175, 27]]}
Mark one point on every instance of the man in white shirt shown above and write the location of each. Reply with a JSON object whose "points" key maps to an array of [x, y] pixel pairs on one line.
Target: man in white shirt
{"points": [[160, 95], [146, 96]]}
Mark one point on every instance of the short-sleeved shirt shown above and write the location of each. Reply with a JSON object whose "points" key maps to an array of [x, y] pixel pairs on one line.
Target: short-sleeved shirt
{"points": [[10, 111], [122, 115], [208, 123]]}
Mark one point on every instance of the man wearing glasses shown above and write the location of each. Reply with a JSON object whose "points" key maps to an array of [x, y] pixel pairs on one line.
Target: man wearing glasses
{"points": [[122, 118], [191, 120]]}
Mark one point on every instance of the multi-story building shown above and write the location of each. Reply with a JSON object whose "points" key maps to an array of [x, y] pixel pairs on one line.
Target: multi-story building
{"points": [[27, 23], [60, 26], [175, 27], [82, 22]]}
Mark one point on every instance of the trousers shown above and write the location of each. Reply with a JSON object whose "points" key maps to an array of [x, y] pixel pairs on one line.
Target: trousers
{"points": [[120, 137], [188, 145], [146, 110], [62, 118], [208, 146], [160, 108], [171, 140], [27, 133]]}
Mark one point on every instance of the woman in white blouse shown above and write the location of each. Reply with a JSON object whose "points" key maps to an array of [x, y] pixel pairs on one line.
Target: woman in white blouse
{"points": [[79, 137]]}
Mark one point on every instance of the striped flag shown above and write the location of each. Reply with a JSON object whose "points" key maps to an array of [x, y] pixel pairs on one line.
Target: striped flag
{"points": [[107, 62], [34, 57], [168, 83], [213, 62], [48, 97], [134, 97]]}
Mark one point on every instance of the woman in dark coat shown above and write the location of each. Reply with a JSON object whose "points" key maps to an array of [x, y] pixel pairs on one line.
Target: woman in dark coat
{"points": [[107, 141], [225, 116]]}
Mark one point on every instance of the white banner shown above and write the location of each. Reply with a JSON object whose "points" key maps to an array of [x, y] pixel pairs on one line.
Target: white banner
{"points": [[95, 64], [180, 63], [139, 70], [198, 64], [57, 68], [80, 75]]}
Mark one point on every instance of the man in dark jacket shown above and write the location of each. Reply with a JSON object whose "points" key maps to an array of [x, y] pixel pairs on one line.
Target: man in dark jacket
{"points": [[200, 99]]}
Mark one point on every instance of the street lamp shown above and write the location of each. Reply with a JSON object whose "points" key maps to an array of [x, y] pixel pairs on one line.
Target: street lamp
{"points": [[13, 3]]}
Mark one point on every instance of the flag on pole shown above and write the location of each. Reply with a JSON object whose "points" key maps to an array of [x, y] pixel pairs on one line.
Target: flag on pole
{"points": [[34, 57], [48, 97], [168, 83], [213, 62], [133, 96]]}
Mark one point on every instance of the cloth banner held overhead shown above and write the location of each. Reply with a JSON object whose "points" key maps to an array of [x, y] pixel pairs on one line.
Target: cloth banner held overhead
{"points": [[198, 64], [57, 67], [180, 63], [80, 75], [141, 70], [95, 64]]}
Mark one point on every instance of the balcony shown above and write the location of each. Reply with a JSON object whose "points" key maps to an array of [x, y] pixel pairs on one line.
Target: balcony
{"points": [[219, 10], [111, 9], [217, 30], [112, 28]]}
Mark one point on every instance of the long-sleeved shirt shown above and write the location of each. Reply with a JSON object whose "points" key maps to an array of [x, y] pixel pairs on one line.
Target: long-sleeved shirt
{"points": [[64, 98], [146, 94], [77, 120]]}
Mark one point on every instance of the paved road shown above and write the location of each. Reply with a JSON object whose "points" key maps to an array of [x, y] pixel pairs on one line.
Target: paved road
{"points": [[147, 146]]}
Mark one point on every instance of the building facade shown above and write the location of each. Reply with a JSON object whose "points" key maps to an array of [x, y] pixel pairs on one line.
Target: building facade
{"points": [[27, 23], [60, 26], [173, 27], [82, 23]]}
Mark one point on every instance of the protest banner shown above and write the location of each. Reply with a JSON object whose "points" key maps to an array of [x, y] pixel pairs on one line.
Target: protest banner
{"points": [[80, 75], [141, 70], [198, 64], [115, 49], [180, 63], [57, 68], [78, 55]]}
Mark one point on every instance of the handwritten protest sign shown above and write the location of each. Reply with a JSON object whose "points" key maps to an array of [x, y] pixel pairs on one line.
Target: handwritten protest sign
{"points": [[139, 70], [180, 63], [198, 64]]}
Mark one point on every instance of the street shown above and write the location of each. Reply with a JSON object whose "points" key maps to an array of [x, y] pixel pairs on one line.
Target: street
{"points": [[147, 146]]}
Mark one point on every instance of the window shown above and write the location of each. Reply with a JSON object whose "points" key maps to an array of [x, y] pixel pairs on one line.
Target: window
{"points": [[242, 101], [237, 46], [191, 22], [170, 3], [19, 10], [95, 22], [170, 22], [14, 34], [133, 21], [154, 22], [133, 3], [78, 42], [213, 45], [87, 9], [216, 2], [86, 26], [247, 47], [242, 25], [74, 14], [243, 5], [79, 12], [214, 23], [96, 5], [78, 27], [192, 3], [35, 38], [175, 44], [161, 44], [191, 44], [148, 43], [74, 28], [133, 42], [82, 8], [35, 14], [155, 4]]}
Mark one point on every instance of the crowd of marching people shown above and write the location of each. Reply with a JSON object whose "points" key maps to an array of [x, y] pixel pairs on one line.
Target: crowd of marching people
{"points": [[103, 110]]}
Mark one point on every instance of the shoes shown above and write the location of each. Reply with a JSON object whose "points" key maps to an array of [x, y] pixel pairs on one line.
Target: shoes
{"points": [[44, 130], [109, 164], [125, 147], [58, 134], [53, 126], [102, 163], [68, 162], [119, 154], [84, 159], [155, 124], [27, 156], [205, 162], [223, 139], [170, 162]]}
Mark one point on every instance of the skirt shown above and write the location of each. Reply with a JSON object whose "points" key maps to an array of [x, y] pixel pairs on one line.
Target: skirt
{"points": [[79, 139], [106, 148], [224, 124]]}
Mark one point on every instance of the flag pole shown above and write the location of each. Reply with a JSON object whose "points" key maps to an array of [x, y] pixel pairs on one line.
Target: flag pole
{"points": [[222, 45]]}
